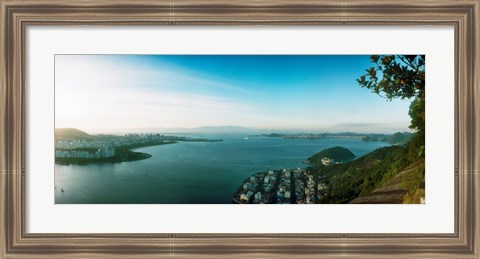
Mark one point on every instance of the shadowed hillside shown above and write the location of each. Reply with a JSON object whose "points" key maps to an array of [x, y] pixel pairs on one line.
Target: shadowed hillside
{"points": [[394, 174], [70, 133], [407, 186]]}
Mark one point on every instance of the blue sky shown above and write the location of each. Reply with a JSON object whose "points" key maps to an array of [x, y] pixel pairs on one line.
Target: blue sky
{"points": [[106, 93]]}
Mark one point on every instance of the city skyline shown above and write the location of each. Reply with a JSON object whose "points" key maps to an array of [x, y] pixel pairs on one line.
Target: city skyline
{"points": [[115, 93]]}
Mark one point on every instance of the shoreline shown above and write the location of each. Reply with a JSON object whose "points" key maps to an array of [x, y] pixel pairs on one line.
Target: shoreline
{"points": [[124, 154]]}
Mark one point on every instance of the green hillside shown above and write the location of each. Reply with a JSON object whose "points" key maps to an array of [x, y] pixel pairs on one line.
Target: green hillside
{"points": [[362, 176], [407, 186], [339, 154], [70, 133]]}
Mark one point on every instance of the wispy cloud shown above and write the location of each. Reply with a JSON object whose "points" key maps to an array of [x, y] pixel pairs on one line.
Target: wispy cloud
{"points": [[99, 92], [90, 91], [92, 71]]}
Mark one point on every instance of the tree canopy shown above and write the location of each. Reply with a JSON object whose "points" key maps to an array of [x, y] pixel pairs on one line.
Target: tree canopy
{"points": [[399, 76]]}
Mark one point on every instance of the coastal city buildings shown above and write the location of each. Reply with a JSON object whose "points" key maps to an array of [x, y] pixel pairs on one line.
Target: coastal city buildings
{"points": [[327, 161], [284, 186], [87, 153], [104, 146]]}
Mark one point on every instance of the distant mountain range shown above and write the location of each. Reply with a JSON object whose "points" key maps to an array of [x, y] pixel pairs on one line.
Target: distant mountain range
{"points": [[222, 129], [173, 130], [397, 138]]}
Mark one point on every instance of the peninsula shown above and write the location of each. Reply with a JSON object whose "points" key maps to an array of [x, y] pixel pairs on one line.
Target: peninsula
{"points": [[73, 146]]}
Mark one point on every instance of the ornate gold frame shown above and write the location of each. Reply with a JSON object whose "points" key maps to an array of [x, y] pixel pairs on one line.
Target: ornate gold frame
{"points": [[16, 16]]}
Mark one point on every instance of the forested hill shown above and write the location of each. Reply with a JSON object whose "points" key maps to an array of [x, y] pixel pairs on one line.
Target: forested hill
{"points": [[362, 176], [339, 154]]}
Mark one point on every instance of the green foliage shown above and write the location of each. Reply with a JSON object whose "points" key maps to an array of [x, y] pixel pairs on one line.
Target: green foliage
{"points": [[361, 176], [415, 184], [391, 76], [411, 181], [417, 113], [358, 177], [416, 146], [338, 154], [399, 76]]}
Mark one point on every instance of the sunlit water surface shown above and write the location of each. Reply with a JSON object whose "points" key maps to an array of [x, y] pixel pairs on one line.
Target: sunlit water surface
{"points": [[190, 172]]}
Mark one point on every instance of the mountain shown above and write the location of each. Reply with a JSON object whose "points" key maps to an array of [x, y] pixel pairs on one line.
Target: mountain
{"points": [[407, 186], [338, 154], [225, 129], [352, 179], [399, 138], [393, 174], [70, 133], [204, 129]]}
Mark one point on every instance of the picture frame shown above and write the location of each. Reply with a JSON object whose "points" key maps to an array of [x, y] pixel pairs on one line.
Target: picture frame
{"points": [[16, 16]]}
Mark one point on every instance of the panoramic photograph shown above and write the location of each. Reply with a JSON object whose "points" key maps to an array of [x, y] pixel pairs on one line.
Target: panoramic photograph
{"points": [[239, 129]]}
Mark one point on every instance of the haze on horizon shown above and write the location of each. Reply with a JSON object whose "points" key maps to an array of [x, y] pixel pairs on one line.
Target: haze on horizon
{"points": [[309, 93]]}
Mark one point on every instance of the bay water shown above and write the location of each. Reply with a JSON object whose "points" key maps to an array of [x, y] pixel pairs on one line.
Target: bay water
{"points": [[190, 172]]}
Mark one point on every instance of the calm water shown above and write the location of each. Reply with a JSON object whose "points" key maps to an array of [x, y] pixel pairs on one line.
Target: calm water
{"points": [[189, 172]]}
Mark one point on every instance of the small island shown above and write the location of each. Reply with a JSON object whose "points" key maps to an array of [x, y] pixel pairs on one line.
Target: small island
{"points": [[331, 155]]}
